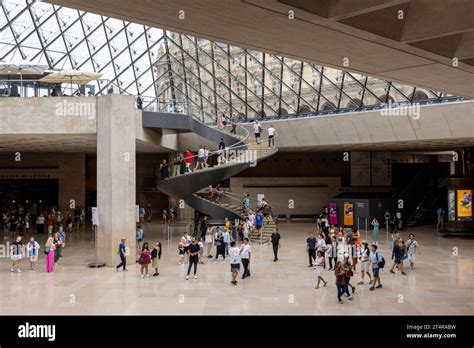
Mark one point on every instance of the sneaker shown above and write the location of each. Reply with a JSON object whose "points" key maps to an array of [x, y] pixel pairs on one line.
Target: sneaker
{"points": [[310, 266], [391, 271], [340, 302], [370, 282], [195, 276], [18, 270], [155, 274], [379, 286], [411, 267], [350, 298], [361, 283], [353, 289], [404, 273], [12, 270], [148, 276], [372, 288], [125, 270], [187, 277], [142, 276], [116, 269], [209, 256]]}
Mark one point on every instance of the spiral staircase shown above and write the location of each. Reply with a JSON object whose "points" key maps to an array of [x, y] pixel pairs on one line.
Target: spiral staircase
{"points": [[241, 154]]}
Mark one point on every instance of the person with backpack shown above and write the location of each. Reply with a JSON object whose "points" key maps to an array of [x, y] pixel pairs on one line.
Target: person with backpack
{"points": [[33, 248], [155, 258], [320, 263], [123, 259], [377, 263], [365, 263], [412, 250]]}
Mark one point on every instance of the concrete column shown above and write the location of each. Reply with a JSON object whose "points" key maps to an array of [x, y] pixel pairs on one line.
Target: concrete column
{"points": [[115, 176]]}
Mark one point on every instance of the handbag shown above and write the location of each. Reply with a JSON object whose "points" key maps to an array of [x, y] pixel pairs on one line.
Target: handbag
{"points": [[349, 273]]}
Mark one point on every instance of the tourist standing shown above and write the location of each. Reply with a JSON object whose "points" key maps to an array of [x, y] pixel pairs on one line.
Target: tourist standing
{"points": [[227, 236], [209, 239], [122, 254], [57, 248], [365, 263], [234, 254], [220, 246], [181, 253], [16, 250], [347, 265], [140, 237], [40, 224], [332, 253], [144, 260], [311, 248], [375, 231], [49, 250], [219, 120], [275, 239], [155, 257], [245, 254], [412, 250], [271, 136], [33, 251], [340, 280], [193, 252], [234, 123]]}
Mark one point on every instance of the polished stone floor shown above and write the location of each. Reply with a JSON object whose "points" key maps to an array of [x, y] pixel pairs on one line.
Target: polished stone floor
{"points": [[442, 282]]}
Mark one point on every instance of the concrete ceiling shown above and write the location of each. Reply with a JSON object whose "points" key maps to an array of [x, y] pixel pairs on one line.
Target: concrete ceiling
{"points": [[63, 143], [408, 41]]}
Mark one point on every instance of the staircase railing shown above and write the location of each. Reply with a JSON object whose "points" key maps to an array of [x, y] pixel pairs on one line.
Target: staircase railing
{"points": [[239, 152]]}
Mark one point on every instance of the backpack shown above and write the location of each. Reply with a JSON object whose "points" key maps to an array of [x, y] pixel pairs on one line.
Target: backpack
{"points": [[118, 251], [382, 261]]}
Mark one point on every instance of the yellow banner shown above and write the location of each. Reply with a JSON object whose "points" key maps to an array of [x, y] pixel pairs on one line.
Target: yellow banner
{"points": [[464, 203], [348, 214]]}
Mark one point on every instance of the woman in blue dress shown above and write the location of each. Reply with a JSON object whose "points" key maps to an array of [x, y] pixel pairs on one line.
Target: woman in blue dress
{"points": [[375, 231]]}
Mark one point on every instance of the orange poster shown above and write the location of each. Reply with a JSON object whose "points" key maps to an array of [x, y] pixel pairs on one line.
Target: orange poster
{"points": [[348, 214], [464, 203]]}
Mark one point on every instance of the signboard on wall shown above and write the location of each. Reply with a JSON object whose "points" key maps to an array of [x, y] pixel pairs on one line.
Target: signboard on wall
{"points": [[464, 205], [451, 205], [332, 213], [348, 214]]}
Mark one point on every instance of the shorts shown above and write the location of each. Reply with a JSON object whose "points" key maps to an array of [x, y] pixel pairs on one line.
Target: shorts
{"points": [[375, 271], [34, 258], [398, 260], [319, 271], [412, 257], [201, 159], [257, 135], [365, 266], [235, 267], [186, 248], [16, 257], [258, 227]]}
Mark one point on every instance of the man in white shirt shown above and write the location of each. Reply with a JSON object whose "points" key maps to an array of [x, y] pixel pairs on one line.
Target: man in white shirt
{"points": [[234, 254], [201, 158], [257, 128], [245, 253], [247, 227], [271, 134]]}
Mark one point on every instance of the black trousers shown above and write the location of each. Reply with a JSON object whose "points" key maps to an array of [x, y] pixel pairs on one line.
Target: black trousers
{"points": [[245, 263], [311, 256], [220, 250], [193, 260], [275, 251], [123, 263]]}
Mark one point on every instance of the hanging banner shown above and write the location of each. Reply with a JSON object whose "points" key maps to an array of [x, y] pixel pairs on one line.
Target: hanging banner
{"points": [[332, 213], [464, 204], [451, 205], [348, 214]]}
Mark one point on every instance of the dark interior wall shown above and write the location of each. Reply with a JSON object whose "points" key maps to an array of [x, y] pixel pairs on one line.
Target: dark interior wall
{"points": [[302, 164], [403, 173], [146, 180]]}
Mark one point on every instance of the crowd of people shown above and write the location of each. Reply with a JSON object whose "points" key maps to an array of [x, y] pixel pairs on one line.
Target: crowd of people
{"points": [[347, 255]]}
